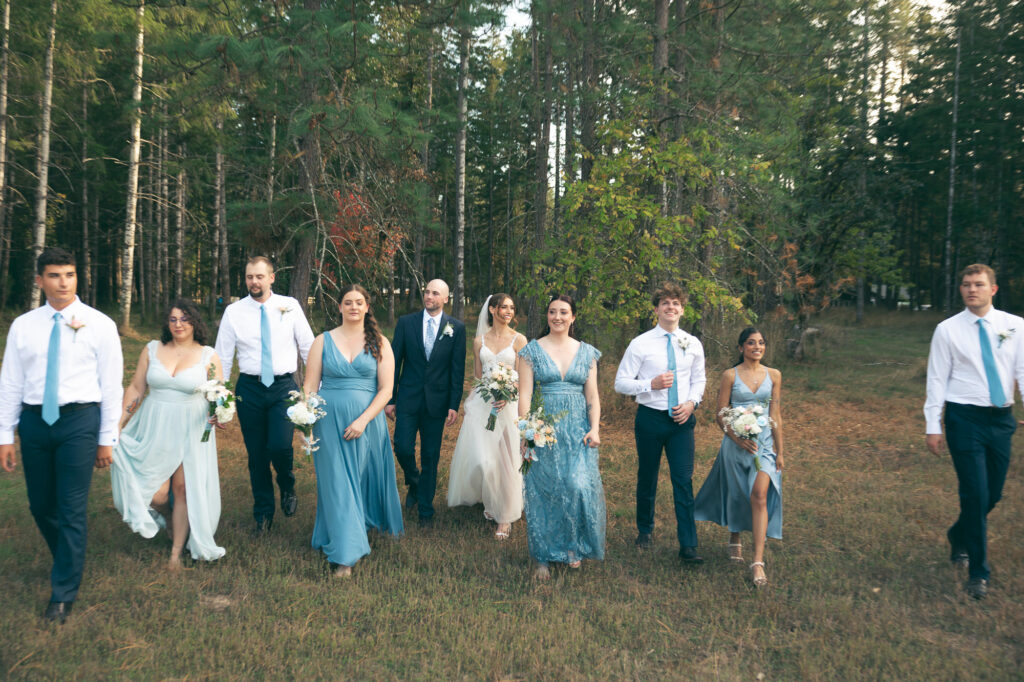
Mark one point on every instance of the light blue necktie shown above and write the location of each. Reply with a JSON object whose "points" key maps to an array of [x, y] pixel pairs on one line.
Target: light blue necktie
{"points": [[673, 390], [51, 408], [266, 356], [428, 338], [995, 384]]}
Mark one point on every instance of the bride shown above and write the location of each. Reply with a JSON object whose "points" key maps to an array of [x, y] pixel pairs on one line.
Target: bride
{"points": [[485, 464]]}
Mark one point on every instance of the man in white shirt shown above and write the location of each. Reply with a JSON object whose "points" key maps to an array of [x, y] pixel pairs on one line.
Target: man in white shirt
{"points": [[975, 357], [269, 332], [60, 386], [664, 369]]}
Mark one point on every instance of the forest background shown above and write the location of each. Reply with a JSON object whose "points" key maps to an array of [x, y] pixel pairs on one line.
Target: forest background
{"points": [[775, 156]]}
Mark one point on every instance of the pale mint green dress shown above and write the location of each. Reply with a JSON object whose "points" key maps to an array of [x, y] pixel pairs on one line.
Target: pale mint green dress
{"points": [[164, 434], [565, 510]]}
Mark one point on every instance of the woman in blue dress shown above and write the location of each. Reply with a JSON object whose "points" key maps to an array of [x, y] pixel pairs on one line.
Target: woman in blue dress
{"points": [[353, 369], [565, 512], [737, 495]]}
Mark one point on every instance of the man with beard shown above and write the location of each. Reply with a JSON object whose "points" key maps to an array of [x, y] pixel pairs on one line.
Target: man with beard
{"points": [[269, 331]]}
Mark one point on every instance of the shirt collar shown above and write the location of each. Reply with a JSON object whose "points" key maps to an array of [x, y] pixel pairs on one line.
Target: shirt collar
{"points": [[266, 303], [73, 308], [989, 317], [661, 331], [428, 316]]}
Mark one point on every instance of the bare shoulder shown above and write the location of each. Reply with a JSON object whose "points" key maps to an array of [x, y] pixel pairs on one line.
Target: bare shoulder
{"points": [[730, 375], [519, 342], [477, 342], [775, 374]]}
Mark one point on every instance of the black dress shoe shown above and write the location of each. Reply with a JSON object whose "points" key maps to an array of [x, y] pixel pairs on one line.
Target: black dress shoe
{"points": [[410, 501], [426, 522], [977, 588], [263, 526], [289, 503], [58, 611], [643, 541], [689, 555]]}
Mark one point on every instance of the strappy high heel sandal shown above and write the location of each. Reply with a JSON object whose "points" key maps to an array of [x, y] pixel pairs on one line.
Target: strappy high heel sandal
{"points": [[503, 531], [758, 580], [735, 551]]}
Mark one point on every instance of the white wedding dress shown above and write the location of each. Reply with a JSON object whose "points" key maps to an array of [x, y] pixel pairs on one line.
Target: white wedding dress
{"points": [[485, 464]]}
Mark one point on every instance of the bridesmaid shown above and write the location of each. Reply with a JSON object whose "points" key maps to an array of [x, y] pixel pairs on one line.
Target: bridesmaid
{"points": [[736, 495], [353, 369], [565, 510]]}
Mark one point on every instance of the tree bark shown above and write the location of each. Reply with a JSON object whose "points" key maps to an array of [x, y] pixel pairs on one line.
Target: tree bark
{"points": [[947, 298], [43, 152], [179, 228], [5, 227], [460, 177], [222, 218], [128, 249]]}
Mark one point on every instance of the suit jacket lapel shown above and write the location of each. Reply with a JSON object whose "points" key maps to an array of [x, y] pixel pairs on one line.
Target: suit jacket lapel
{"points": [[419, 336]]}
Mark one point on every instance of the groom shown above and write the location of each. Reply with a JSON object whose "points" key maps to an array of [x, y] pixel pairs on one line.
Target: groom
{"points": [[664, 369], [60, 386], [430, 366]]}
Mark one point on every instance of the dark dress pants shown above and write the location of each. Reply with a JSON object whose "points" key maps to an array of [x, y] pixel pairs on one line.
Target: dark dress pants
{"points": [[979, 441], [422, 482], [58, 463], [655, 431], [267, 432]]}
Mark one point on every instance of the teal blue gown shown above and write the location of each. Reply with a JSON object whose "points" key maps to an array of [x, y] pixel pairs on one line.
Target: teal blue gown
{"points": [[725, 496], [355, 479], [565, 510]]}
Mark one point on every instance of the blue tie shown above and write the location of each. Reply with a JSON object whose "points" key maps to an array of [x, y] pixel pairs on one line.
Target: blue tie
{"points": [[995, 384], [51, 408], [673, 390], [266, 356], [428, 339]]}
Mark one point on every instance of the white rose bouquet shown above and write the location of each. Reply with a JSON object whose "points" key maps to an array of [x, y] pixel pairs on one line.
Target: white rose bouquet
{"points": [[499, 382], [304, 409], [220, 401], [538, 431], [747, 422]]}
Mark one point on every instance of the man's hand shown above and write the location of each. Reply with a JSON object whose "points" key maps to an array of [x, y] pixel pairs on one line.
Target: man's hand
{"points": [[663, 380], [681, 413], [934, 443], [104, 456], [7, 459], [389, 412], [453, 415]]}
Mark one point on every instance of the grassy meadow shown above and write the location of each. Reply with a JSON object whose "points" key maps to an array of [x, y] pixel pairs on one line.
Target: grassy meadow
{"points": [[861, 586]]}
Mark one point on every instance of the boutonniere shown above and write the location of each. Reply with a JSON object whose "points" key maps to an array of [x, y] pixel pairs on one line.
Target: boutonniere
{"points": [[284, 310], [1005, 335], [75, 324], [683, 343], [448, 331]]}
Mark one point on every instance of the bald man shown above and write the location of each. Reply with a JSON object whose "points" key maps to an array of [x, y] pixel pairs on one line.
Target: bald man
{"points": [[430, 366]]}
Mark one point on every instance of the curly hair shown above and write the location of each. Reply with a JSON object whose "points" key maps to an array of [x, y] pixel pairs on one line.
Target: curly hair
{"points": [[565, 298], [371, 331], [191, 311], [668, 290], [496, 302]]}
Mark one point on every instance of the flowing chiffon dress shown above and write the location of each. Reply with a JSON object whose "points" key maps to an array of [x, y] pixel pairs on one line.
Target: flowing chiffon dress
{"points": [[356, 487], [565, 508], [725, 496], [485, 464], [164, 434]]}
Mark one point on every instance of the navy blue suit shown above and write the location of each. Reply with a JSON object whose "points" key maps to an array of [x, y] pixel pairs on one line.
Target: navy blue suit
{"points": [[424, 392]]}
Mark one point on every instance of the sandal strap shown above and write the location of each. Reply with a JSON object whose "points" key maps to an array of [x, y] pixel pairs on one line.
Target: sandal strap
{"points": [[735, 544], [757, 563]]}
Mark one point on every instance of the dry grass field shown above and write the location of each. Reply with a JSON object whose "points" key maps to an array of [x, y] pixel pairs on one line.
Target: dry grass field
{"points": [[861, 584]]}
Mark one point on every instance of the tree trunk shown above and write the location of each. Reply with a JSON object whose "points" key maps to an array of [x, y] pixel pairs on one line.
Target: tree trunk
{"points": [[43, 152], [164, 212], [85, 279], [947, 296], [179, 228], [128, 249], [222, 218], [460, 177], [5, 226]]}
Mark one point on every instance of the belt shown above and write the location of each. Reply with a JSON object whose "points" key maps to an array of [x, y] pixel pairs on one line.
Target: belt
{"points": [[987, 409], [64, 409], [277, 377]]}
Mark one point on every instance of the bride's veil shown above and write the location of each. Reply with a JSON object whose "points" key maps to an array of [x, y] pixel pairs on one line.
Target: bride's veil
{"points": [[482, 327]]}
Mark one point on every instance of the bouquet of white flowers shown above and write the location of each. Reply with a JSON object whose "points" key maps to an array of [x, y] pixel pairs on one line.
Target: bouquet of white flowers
{"points": [[220, 401], [304, 409], [747, 422], [499, 382], [538, 431]]}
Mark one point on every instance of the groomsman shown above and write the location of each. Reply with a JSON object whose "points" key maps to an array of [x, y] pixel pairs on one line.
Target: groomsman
{"points": [[430, 366], [269, 331], [60, 386], [664, 369], [975, 357]]}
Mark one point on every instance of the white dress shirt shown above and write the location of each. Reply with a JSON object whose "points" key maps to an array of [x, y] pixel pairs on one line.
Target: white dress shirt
{"points": [[437, 323], [91, 366], [956, 371], [240, 329], [647, 357]]}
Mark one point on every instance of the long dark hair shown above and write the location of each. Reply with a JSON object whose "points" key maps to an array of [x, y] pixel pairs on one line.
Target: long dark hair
{"points": [[371, 332], [566, 298], [746, 334], [191, 311], [495, 302]]}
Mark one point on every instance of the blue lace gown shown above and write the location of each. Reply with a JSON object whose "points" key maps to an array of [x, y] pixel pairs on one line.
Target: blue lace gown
{"points": [[565, 512], [355, 479], [725, 496]]}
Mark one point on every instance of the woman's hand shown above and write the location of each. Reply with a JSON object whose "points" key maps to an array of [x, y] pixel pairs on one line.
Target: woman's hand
{"points": [[498, 405], [778, 462], [591, 439], [212, 420], [748, 444], [354, 430]]}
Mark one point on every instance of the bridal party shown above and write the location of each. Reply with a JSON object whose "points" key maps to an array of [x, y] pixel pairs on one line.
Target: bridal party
{"points": [[372, 411]]}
